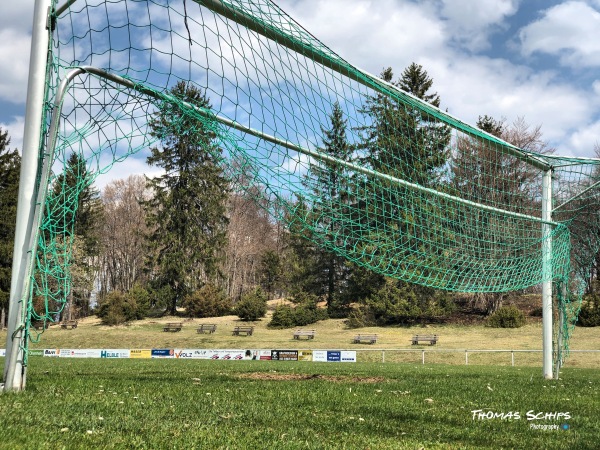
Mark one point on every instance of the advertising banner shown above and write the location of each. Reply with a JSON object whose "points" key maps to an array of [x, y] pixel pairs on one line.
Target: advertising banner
{"points": [[80, 353], [163, 353], [319, 356], [140, 353], [184, 353], [348, 356], [2, 352], [115, 353], [231, 354], [334, 356], [284, 355], [263, 355], [305, 355], [31, 352], [53, 352]]}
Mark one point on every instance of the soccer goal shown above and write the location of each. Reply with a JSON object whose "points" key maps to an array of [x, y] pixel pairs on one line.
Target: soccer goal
{"points": [[354, 162]]}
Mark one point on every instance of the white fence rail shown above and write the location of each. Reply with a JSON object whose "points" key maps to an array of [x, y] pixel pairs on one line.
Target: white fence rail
{"points": [[467, 352]]}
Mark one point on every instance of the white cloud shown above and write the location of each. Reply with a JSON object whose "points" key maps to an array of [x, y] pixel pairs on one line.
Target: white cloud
{"points": [[15, 31], [470, 22], [373, 34], [596, 85], [501, 89], [583, 141], [133, 165], [14, 65], [570, 30]]}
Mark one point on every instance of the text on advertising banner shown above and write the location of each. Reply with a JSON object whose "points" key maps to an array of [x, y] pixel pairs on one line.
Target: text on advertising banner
{"points": [[348, 356], [163, 353], [140, 353], [305, 355], [114, 353]]}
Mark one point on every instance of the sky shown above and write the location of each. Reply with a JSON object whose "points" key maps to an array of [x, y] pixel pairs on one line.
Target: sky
{"points": [[535, 59]]}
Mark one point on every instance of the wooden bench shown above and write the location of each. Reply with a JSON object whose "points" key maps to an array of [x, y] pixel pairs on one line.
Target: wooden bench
{"points": [[65, 325], [366, 338], [308, 334], [238, 331], [431, 338], [207, 328], [173, 326]]}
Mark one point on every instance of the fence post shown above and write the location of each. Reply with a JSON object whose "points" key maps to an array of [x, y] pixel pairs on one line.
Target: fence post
{"points": [[382, 356], [466, 357], [512, 357], [423, 356]]}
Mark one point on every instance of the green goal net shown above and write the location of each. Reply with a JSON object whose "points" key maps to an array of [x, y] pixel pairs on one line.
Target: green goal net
{"points": [[395, 184]]}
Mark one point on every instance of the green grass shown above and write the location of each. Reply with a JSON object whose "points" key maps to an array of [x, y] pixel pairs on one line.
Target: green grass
{"points": [[185, 404], [330, 334]]}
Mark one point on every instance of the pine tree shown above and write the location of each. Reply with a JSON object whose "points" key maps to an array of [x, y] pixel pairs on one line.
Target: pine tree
{"points": [[81, 209], [404, 142], [401, 140], [10, 166], [187, 211], [330, 185], [76, 208]]}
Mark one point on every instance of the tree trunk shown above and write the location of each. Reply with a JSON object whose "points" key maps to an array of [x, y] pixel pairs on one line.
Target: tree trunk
{"points": [[70, 306], [2, 318]]}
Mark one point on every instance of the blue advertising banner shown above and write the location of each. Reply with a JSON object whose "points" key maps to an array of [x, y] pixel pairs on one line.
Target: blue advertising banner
{"points": [[163, 353], [334, 356]]}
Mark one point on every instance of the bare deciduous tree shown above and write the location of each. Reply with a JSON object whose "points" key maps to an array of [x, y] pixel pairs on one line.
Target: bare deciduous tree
{"points": [[250, 235], [123, 234]]}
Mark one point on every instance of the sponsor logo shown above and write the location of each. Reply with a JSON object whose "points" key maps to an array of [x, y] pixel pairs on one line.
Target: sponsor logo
{"points": [[335, 356], [163, 353], [51, 352], [140, 353], [114, 353]]}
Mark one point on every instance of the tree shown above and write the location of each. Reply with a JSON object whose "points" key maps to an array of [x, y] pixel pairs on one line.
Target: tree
{"points": [[252, 305], [79, 202], [77, 210], [270, 270], [330, 185], [123, 234], [403, 141], [187, 210], [10, 166], [250, 234], [483, 173]]}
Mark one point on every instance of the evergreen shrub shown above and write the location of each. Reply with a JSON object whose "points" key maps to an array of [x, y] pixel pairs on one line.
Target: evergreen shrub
{"points": [[507, 317], [252, 305], [208, 301]]}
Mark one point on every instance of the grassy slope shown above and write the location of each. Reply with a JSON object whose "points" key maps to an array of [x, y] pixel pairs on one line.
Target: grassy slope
{"points": [[224, 404], [330, 334]]}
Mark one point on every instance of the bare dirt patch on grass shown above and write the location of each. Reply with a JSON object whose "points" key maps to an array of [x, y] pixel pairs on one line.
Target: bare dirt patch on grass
{"points": [[274, 376]]}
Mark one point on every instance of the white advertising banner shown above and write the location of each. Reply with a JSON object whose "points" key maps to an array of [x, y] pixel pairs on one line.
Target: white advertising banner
{"points": [[2, 352], [319, 356], [80, 353], [114, 353], [348, 356]]}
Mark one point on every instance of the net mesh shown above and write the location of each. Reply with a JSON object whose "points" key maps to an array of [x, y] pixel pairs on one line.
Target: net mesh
{"points": [[411, 192]]}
